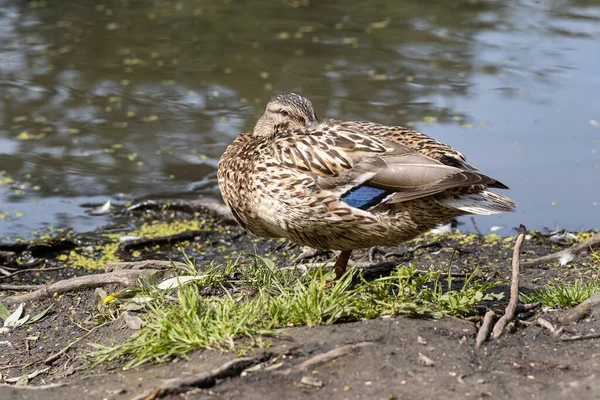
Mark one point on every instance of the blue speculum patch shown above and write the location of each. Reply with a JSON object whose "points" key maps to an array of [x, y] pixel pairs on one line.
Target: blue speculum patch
{"points": [[365, 197]]}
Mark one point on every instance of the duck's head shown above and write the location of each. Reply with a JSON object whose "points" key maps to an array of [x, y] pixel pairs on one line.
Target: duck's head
{"points": [[289, 109]]}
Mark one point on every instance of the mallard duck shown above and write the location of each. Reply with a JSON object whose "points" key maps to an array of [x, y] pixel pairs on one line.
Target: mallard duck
{"points": [[337, 185]]}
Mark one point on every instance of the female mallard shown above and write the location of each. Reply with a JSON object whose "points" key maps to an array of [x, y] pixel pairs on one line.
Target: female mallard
{"points": [[346, 185]]}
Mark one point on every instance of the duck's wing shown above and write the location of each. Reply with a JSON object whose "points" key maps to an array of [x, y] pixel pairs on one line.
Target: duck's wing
{"points": [[419, 142], [365, 170]]}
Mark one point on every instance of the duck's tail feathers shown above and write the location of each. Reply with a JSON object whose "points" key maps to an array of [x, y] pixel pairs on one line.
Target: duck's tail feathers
{"points": [[484, 203]]}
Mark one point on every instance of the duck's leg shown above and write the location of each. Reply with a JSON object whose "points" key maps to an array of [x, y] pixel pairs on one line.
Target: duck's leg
{"points": [[341, 263]]}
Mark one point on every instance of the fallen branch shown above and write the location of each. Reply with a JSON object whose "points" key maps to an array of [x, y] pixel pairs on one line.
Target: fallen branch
{"points": [[581, 311], [486, 328], [567, 255], [202, 379], [511, 309], [325, 357], [124, 277]]}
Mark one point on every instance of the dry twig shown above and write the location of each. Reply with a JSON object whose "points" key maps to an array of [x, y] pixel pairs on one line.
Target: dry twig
{"points": [[21, 271], [125, 277], [580, 337], [53, 357], [511, 309], [476, 226], [325, 357], [581, 311], [556, 332], [40, 387], [145, 264], [160, 240], [201, 379], [124, 273], [486, 328], [566, 255], [6, 286]]}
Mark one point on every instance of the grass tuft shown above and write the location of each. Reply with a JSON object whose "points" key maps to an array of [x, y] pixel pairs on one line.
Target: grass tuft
{"points": [[562, 295], [255, 301]]}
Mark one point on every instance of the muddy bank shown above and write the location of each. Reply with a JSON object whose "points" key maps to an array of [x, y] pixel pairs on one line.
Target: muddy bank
{"points": [[403, 356]]}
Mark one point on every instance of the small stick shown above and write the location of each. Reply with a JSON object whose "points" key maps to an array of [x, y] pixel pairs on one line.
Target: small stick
{"points": [[6, 286], [53, 357], [581, 311], [580, 337], [144, 264], [566, 255], [40, 387], [21, 271], [201, 379], [511, 309], [523, 308], [476, 226], [179, 237], [546, 324], [325, 357], [486, 328], [410, 252]]}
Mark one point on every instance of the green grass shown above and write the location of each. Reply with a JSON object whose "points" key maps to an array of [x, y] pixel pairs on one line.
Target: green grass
{"points": [[562, 295], [258, 300]]}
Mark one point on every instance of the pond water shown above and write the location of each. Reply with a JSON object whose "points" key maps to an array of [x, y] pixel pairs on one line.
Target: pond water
{"points": [[114, 99]]}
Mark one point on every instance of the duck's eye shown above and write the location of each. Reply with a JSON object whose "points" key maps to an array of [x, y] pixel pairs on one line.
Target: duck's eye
{"points": [[284, 113], [302, 120]]}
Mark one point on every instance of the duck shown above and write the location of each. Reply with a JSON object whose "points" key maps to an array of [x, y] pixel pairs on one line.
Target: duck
{"points": [[346, 185]]}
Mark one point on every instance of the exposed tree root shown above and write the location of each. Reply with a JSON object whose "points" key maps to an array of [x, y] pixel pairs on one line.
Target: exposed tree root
{"points": [[511, 309], [202, 379], [4, 286], [325, 357], [40, 387], [566, 255], [126, 274], [513, 305], [580, 337], [486, 327], [581, 311]]}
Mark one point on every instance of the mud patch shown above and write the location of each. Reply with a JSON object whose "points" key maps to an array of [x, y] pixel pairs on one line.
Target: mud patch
{"points": [[529, 363]]}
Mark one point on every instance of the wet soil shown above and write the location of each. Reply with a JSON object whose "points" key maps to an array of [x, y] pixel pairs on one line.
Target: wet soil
{"points": [[527, 362]]}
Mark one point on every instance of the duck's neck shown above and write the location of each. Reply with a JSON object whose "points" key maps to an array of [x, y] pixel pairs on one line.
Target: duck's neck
{"points": [[266, 126]]}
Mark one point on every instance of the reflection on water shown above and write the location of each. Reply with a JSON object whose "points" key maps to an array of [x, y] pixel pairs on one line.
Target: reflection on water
{"points": [[101, 98]]}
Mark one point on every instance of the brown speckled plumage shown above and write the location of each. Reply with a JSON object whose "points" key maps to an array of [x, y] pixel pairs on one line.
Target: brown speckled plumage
{"points": [[293, 177]]}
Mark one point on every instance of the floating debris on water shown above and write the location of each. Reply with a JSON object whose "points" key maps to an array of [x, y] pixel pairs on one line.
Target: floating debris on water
{"points": [[102, 210]]}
